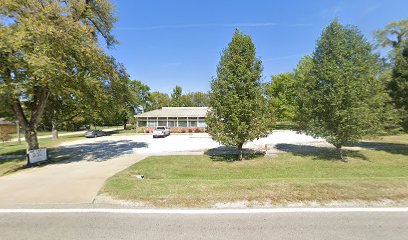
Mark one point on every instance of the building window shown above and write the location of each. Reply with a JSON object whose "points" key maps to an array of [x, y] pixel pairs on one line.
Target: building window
{"points": [[201, 123], [162, 122], [152, 123], [172, 122], [192, 123], [142, 123], [182, 122]]}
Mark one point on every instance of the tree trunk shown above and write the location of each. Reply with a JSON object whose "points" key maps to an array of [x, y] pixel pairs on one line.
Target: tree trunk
{"points": [[39, 100], [340, 152], [240, 151], [54, 128], [18, 131], [37, 110], [31, 138], [125, 124]]}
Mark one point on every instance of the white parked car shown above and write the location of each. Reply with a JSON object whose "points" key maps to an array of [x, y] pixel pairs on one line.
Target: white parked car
{"points": [[161, 132]]}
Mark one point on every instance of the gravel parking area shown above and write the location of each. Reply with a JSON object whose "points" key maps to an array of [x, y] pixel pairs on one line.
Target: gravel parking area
{"points": [[175, 143]]}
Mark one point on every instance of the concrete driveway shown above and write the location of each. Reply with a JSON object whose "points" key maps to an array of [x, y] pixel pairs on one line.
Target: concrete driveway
{"points": [[61, 183], [89, 162]]}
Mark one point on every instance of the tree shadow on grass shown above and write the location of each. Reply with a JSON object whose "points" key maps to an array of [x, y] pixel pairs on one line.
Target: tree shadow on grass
{"points": [[318, 153], [394, 148], [229, 154]]}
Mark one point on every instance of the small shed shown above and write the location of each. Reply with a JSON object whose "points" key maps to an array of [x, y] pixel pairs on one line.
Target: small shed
{"points": [[7, 124], [6, 127]]}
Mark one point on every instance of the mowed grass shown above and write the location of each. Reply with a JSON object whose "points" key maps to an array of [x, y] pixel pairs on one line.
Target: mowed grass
{"points": [[202, 181], [16, 163]]}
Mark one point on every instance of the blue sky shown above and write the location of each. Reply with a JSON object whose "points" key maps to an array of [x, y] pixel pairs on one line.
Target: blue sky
{"points": [[164, 43]]}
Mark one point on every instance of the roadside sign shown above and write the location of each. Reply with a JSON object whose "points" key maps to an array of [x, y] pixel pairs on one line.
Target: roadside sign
{"points": [[38, 155]]}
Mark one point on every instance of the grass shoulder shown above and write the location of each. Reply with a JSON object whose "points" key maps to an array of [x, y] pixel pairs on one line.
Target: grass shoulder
{"points": [[204, 181], [13, 153]]}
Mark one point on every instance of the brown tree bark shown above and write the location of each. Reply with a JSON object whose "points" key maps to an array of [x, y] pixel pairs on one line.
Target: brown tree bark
{"points": [[37, 106], [240, 154], [340, 153], [31, 138], [125, 121]]}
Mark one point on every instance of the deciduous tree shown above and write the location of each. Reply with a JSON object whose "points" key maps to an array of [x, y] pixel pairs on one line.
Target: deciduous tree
{"points": [[282, 94], [398, 85], [51, 48], [343, 99], [239, 111], [176, 96]]}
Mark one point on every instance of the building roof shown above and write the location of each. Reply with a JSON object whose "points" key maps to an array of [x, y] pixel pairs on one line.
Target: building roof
{"points": [[3, 121], [176, 112]]}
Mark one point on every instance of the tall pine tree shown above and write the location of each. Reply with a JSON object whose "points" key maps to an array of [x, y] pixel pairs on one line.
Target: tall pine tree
{"points": [[239, 111]]}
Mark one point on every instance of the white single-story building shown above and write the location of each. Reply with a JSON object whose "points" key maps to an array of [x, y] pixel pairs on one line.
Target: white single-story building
{"points": [[173, 117]]}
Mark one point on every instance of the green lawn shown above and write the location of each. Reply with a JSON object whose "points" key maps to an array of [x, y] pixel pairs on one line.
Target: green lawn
{"points": [[19, 150], [202, 181]]}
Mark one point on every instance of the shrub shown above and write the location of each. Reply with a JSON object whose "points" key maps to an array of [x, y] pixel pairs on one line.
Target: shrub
{"points": [[140, 130], [130, 127]]}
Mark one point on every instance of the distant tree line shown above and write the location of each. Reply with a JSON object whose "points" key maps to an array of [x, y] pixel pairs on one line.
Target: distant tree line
{"points": [[177, 98]]}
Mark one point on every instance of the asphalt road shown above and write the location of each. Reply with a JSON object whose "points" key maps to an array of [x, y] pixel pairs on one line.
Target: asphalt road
{"points": [[61, 226]]}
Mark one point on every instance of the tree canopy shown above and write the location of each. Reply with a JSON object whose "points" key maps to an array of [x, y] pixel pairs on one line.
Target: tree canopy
{"points": [[393, 34], [51, 48], [282, 93]]}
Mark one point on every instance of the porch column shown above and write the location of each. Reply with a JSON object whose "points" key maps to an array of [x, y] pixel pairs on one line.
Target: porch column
{"points": [[167, 121]]}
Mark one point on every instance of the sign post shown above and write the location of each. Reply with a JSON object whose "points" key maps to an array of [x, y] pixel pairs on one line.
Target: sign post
{"points": [[36, 156]]}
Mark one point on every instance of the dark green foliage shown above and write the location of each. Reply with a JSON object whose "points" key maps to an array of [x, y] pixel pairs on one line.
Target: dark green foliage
{"points": [[239, 111], [398, 85], [282, 94], [195, 99], [342, 99], [176, 100], [159, 100]]}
